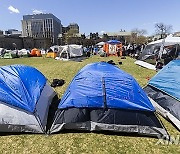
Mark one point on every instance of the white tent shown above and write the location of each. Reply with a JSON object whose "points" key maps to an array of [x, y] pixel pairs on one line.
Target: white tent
{"points": [[43, 52], [75, 50], [158, 47], [70, 51], [23, 52], [169, 40], [1, 49], [55, 48], [155, 50], [100, 43]]}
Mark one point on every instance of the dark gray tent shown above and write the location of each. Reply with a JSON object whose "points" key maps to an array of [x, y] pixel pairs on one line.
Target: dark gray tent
{"points": [[103, 97]]}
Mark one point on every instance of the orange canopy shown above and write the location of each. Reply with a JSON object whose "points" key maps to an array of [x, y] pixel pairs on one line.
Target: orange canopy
{"points": [[112, 49]]}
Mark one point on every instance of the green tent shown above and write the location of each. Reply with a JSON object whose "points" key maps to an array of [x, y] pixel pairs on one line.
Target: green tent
{"points": [[9, 55]]}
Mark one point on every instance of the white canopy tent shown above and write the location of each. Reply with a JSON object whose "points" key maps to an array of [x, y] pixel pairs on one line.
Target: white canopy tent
{"points": [[158, 47], [155, 50], [169, 40]]}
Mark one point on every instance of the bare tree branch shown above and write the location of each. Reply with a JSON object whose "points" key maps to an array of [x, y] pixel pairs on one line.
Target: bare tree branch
{"points": [[163, 29], [139, 32]]}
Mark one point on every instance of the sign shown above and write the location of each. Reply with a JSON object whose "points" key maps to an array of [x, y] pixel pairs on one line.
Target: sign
{"points": [[112, 49]]}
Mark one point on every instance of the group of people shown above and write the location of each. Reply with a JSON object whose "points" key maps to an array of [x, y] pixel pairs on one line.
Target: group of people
{"points": [[133, 50]]}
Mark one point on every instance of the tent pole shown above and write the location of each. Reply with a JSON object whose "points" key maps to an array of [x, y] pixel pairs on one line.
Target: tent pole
{"points": [[104, 93], [175, 51]]}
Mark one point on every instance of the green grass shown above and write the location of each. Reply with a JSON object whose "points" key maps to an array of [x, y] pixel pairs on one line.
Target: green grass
{"points": [[83, 142]]}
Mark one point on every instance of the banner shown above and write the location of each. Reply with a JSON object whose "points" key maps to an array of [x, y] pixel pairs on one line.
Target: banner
{"points": [[112, 49]]}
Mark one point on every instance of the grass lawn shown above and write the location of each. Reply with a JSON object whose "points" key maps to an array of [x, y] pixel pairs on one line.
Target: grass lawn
{"points": [[83, 142]]}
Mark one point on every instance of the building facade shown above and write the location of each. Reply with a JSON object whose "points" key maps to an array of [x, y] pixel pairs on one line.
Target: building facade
{"points": [[176, 34], [122, 36], [40, 43], [74, 28], [70, 34], [41, 26], [11, 42], [13, 32]]}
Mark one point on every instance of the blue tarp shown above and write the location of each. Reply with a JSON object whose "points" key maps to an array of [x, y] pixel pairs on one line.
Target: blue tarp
{"points": [[100, 83], [21, 86], [168, 79], [113, 42]]}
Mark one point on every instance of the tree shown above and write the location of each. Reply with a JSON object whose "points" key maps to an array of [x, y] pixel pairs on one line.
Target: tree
{"points": [[139, 32], [105, 37], [137, 36], [94, 36], [83, 36], [88, 42], [163, 29]]}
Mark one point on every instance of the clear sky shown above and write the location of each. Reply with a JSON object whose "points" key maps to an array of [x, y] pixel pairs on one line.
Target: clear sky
{"points": [[96, 15]]}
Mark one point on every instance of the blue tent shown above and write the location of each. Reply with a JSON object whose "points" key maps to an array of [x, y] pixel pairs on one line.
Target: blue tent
{"points": [[103, 97], [164, 89], [25, 97], [168, 79], [113, 42]]}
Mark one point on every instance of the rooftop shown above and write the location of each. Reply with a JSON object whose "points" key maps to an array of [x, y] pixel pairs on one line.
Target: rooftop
{"points": [[41, 16], [118, 33]]}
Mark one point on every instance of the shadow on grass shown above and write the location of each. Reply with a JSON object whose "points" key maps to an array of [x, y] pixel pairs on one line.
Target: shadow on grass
{"points": [[108, 133], [18, 133]]}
